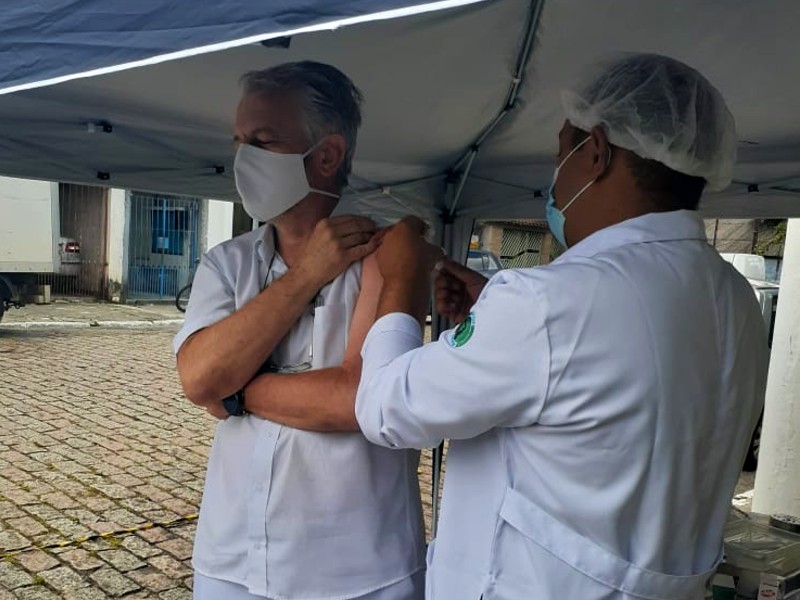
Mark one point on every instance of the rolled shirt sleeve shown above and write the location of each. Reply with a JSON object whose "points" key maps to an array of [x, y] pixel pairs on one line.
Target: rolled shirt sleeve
{"points": [[212, 299], [495, 374]]}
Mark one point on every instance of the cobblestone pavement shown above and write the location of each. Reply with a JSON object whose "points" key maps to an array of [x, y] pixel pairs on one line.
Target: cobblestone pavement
{"points": [[95, 440]]}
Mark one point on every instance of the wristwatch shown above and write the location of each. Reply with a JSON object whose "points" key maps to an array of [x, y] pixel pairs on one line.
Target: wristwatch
{"points": [[234, 404]]}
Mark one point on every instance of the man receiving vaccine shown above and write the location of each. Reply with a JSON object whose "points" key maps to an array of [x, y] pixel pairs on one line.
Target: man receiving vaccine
{"points": [[270, 346]]}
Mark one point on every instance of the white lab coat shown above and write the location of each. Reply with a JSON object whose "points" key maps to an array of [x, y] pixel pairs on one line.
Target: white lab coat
{"points": [[599, 417], [293, 514]]}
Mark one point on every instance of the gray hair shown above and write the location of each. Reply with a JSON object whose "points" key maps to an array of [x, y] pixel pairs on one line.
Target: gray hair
{"points": [[332, 103]]}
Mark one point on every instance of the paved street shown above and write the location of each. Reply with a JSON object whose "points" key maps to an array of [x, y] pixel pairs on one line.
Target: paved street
{"points": [[96, 439], [101, 459]]}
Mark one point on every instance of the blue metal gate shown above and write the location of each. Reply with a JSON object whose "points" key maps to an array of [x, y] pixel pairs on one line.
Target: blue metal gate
{"points": [[163, 244]]}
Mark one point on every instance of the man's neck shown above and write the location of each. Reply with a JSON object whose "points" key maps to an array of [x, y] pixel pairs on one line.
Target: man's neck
{"points": [[294, 228]]}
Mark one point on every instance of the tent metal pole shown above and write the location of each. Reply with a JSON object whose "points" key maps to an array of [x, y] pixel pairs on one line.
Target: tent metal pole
{"points": [[445, 239], [534, 15]]}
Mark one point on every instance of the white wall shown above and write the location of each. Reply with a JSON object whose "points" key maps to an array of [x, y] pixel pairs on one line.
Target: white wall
{"points": [[117, 226], [777, 482], [219, 223]]}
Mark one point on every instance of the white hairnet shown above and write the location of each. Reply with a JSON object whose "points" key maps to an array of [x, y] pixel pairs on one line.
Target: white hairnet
{"points": [[660, 109]]}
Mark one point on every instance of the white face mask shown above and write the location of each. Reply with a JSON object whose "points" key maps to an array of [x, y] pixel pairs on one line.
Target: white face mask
{"points": [[270, 183]]}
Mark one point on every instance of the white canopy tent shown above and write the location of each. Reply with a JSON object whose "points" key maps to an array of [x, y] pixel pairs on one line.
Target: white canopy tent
{"points": [[462, 97]]}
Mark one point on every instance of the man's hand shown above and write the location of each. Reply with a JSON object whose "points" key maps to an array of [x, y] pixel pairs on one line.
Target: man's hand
{"points": [[405, 261], [404, 252], [456, 290], [335, 244]]}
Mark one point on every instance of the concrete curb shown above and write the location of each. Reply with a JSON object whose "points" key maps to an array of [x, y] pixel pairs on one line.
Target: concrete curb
{"points": [[49, 325]]}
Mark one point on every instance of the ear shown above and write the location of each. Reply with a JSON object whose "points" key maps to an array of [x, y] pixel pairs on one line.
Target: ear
{"points": [[601, 151], [330, 155]]}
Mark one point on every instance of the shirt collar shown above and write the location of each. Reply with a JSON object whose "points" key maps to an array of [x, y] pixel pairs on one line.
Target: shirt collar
{"points": [[264, 244], [652, 227]]}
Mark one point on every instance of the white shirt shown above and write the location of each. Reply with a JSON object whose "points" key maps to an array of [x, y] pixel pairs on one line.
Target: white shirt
{"points": [[294, 514], [599, 417]]}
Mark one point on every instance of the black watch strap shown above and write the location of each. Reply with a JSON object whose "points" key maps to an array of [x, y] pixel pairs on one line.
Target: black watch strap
{"points": [[234, 404]]}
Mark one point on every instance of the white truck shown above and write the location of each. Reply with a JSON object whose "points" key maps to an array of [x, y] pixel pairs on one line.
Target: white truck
{"points": [[30, 240]]}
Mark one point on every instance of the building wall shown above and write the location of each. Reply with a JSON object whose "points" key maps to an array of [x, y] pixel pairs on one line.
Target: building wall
{"points": [[519, 244], [732, 235], [219, 223], [118, 208]]}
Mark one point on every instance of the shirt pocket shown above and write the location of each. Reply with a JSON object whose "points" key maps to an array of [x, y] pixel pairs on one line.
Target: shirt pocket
{"points": [[535, 553], [330, 335]]}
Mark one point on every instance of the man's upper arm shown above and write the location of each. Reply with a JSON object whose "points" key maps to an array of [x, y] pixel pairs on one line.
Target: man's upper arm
{"points": [[366, 307], [494, 372], [212, 300]]}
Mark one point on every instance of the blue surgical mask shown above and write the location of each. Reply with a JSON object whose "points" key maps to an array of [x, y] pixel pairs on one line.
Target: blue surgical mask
{"points": [[555, 217]]}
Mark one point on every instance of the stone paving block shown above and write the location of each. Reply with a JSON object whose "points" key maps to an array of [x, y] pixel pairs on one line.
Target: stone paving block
{"points": [[122, 560], [114, 583], [176, 594], [153, 493], [169, 566], [189, 495], [70, 529], [86, 594], [13, 577], [186, 531], [97, 545], [60, 501], [113, 490], [82, 516], [36, 592], [97, 503], [122, 516], [9, 510], [128, 480], [40, 487], [160, 516], [179, 507], [43, 512], [105, 527], [26, 526], [139, 504], [81, 559], [36, 561], [152, 580], [140, 472], [156, 534], [19, 496], [63, 579], [179, 548], [140, 547], [11, 540]]}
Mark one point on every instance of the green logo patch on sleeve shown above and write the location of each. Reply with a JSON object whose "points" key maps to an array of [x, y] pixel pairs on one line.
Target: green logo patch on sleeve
{"points": [[463, 332]]}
